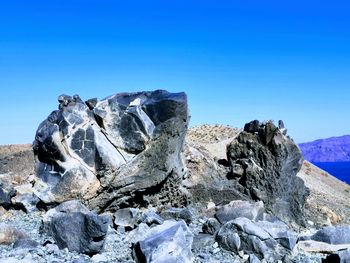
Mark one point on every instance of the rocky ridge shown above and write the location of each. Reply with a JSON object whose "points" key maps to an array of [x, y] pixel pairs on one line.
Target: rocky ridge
{"points": [[214, 216]]}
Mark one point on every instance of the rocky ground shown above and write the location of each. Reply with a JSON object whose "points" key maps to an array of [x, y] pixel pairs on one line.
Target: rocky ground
{"points": [[218, 194]]}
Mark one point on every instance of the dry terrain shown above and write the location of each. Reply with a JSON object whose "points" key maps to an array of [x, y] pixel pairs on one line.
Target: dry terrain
{"points": [[329, 199], [328, 202]]}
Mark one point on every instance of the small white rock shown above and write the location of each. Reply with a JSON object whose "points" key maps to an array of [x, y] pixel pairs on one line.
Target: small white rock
{"points": [[310, 222], [215, 245], [210, 205], [99, 258], [216, 250]]}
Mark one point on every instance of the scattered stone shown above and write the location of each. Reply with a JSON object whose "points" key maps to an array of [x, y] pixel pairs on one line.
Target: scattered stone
{"points": [[138, 234], [211, 226], [280, 231], [216, 250], [99, 258], [25, 198], [178, 214], [228, 238], [9, 234], [152, 218], [52, 248], [126, 217], [25, 243], [170, 242], [250, 228], [239, 208], [333, 235], [201, 241]]}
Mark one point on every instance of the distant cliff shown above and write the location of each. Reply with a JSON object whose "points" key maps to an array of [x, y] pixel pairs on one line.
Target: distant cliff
{"points": [[334, 149]]}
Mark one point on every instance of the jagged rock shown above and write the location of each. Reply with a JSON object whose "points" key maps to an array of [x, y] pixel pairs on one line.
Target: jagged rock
{"points": [[242, 234], [177, 214], [126, 217], [74, 227], [123, 150], [151, 217], [264, 249], [170, 242], [6, 193], [91, 103], [62, 209], [254, 259], [333, 235], [270, 161], [211, 226], [250, 228], [239, 208], [138, 234], [25, 198], [83, 233], [280, 232], [228, 238]]}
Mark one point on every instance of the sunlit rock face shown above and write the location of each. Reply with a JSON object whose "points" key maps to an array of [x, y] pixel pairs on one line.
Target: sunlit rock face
{"points": [[112, 152], [265, 161]]}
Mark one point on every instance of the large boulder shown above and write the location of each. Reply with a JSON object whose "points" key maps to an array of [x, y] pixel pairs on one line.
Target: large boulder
{"points": [[124, 149], [265, 162]]}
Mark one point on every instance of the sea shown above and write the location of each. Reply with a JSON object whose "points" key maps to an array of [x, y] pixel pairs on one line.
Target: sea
{"points": [[341, 170]]}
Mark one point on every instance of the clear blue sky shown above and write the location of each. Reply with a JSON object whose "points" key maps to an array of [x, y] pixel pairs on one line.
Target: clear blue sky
{"points": [[236, 60]]}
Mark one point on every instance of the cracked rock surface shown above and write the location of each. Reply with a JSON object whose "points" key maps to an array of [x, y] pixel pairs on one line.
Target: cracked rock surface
{"points": [[120, 150]]}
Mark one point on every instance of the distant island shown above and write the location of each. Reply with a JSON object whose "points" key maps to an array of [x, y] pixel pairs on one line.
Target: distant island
{"points": [[334, 149], [331, 154]]}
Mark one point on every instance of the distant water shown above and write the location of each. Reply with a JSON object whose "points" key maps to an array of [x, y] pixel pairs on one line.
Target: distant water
{"points": [[341, 170]]}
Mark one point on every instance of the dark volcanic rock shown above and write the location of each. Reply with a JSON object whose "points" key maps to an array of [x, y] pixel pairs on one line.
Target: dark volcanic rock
{"points": [[122, 150], [5, 196], [211, 226], [270, 161], [83, 233], [333, 235], [177, 214], [74, 227]]}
